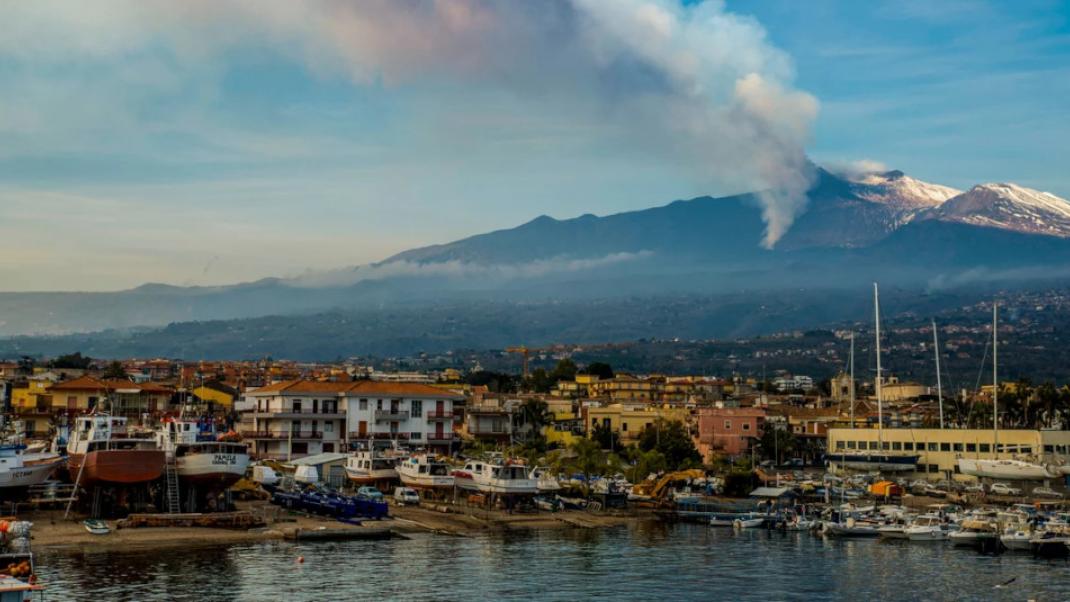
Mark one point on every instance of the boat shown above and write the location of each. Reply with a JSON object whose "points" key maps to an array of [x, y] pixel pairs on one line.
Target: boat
{"points": [[927, 527], [850, 528], [20, 468], [424, 471], [495, 476], [974, 532], [371, 467], [892, 531], [102, 452], [881, 459], [203, 458], [749, 523], [997, 468], [545, 482], [96, 527], [1050, 544], [1006, 469], [1017, 539]]}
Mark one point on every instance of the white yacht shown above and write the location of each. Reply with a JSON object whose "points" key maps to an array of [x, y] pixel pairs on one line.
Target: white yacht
{"points": [[424, 471], [372, 467], [1017, 538], [927, 527], [495, 476], [1018, 470]]}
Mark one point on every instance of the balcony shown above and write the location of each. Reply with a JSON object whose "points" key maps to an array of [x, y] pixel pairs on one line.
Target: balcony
{"points": [[392, 415], [379, 436], [488, 430], [436, 416], [306, 413], [441, 437], [282, 435]]}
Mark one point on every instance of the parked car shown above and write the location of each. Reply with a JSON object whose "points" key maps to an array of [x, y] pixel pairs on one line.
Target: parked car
{"points": [[370, 493], [1046, 492], [1004, 489], [403, 496], [975, 488]]}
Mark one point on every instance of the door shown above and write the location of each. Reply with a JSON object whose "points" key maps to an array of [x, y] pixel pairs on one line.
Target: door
{"points": [[440, 408], [362, 428]]}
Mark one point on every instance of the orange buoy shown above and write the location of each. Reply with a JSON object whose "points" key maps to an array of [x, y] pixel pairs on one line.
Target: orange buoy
{"points": [[300, 560]]}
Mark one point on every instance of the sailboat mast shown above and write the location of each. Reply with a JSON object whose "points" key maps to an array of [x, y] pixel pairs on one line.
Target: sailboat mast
{"points": [[939, 385], [852, 380], [880, 402], [995, 379]]}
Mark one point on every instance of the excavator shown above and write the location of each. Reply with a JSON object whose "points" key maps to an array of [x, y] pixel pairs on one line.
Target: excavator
{"points": [[657, 489]]}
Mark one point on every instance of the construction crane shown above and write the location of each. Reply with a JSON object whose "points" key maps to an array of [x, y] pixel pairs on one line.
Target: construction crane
{"points": [[523, 351]]}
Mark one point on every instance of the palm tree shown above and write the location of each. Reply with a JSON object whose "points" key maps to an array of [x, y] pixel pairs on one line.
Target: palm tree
{"points": [[589, 460], [533, 413]]}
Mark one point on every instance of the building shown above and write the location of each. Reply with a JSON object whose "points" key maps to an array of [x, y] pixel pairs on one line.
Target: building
{"points": [[301, 417], [940, 449], [793, 383], [729, 431], [119, 397], [628, 420], [491, 419]]}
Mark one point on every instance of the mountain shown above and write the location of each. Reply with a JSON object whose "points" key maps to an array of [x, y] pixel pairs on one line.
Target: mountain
{"points": [[854, 229], [1007, 207]]}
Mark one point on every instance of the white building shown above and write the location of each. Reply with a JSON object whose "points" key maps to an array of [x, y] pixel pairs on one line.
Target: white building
{"points": [[292, 419]]}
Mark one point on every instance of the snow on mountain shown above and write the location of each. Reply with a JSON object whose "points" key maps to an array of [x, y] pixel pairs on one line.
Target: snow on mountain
{"points": [[900, 191], [1008, 207]]}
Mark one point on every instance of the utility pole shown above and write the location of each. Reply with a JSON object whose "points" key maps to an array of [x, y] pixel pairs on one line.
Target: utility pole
{"points": [[939, 385]]}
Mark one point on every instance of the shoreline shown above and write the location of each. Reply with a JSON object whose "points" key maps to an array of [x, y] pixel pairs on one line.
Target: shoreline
{"points": [[52, 533]]}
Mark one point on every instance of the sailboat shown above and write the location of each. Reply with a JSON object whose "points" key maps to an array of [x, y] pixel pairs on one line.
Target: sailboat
{"points": [[997, 468], [879, 459]]}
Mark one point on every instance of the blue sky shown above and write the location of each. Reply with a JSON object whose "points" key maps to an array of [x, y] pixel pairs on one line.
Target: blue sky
{"points": [[195, 144]]}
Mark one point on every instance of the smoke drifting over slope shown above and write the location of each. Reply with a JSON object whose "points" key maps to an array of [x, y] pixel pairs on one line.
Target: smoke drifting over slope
{"points": [[696, 85]]}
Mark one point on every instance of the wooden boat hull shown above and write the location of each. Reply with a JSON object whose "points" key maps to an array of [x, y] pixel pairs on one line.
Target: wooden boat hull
{"points": [[117, 466], [28, 474]]}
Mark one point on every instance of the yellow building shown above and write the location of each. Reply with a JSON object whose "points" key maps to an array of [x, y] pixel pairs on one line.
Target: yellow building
{"points": [[939, 449], [223, 399], [31, 397], [629, 420], [624, 389]]}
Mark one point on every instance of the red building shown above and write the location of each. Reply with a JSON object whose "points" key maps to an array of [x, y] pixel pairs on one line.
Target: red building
{"points": [[728, 431]]}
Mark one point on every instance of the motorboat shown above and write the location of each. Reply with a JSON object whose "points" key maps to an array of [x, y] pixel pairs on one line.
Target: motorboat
{"points": [[371, 467], [21, 468], [1017, 539], [101, 451], [1050, 544], [203, 458], [1006, 469], [749, 523], [545, 481], [892, 531], [424, 471], [973, 532], [927, 527], [495, 476], [851, 528]]}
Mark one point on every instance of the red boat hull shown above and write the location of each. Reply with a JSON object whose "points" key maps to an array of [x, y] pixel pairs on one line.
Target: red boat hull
{"points": [[117, 466]]}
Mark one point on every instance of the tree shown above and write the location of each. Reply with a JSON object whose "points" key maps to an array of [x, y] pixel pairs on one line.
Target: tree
{"points": [[534, 414], [496, 382], [644, 463], [777, 443], [589, 460], [115, 370], [672, 440], [605, 437], [72, 360], [565, 370], [600, 369]]}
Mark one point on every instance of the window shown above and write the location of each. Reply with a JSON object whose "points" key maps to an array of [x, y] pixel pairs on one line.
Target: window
{"points": [[908, 446], [417, 409], [727, 425], [379, 404], [297, 406], [1027, 450], [971, 447], [957, 447], [839, 445], [328, 426], [985, 448], [884, 446], [328, 448], [920, 468], [416, 435], [932, 446], [364, 404], [897, 446], [956, 468], [315, 425], [1049, 449], [299, 447], [624, 427], [315, 406], [945, 447], [934, 468], [851, 445], [874, 445]]}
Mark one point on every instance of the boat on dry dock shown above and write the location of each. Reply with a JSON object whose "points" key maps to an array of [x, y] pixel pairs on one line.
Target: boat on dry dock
{"points": [[102, 451], [20, 468], [372, 467], [425, 471], [495, 476], [203, 458]]}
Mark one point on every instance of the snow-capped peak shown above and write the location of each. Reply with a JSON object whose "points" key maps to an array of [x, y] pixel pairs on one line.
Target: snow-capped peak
{"points": [[900, 191], [1009, 207]]}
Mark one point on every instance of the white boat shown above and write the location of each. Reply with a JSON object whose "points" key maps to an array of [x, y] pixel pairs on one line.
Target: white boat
{"points": [[306, 475], [265, 475], [748, 523], [894, 531], [372, 467], [972, 532], [927, 527], [203, 458], [18, 468], [495, 476], [1017, 539], [424, 471], [1006, 469], [545, 482], [850, 529]]}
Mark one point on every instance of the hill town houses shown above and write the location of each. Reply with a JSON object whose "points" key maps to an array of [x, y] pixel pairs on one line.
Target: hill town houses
{"points": [[300, 417]]}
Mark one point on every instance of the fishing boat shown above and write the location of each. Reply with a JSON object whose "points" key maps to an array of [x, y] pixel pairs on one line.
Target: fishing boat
{"points": [[372, 467], [20, 468], [927, 527], [424, 471], [101, 451], [203, 458], [495, 476]]}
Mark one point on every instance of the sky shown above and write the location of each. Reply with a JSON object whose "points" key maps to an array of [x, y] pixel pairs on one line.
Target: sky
{"points": [[203, 143]]}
